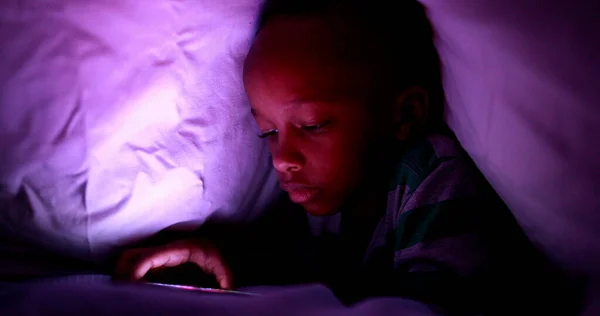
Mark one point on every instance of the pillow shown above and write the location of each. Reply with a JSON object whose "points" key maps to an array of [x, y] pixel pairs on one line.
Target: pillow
{"points": [[123, 118], [521, 81]]}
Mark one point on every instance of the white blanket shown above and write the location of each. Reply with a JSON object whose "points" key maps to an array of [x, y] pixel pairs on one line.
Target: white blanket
{"points": [[121, 118]]}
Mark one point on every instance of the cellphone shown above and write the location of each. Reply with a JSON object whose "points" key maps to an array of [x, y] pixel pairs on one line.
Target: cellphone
{"points": [[202, 289]]}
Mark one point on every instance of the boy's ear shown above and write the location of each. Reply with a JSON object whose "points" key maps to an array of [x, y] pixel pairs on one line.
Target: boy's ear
{"points": [[410, 112]]}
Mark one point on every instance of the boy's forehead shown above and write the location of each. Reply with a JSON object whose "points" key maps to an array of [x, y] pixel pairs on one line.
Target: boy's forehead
{"points": [[307, 56], [310, 38], [306, 42]]}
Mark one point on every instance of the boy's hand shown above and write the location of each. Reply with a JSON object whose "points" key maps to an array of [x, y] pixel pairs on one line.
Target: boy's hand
{"points": [[135, 263]]}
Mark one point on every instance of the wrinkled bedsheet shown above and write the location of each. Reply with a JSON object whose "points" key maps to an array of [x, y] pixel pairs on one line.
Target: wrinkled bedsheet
{"points": [[522, 85], [122, 118]]}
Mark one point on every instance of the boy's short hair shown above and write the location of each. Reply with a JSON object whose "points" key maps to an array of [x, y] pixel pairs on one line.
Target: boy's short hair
{"points": [[403, 28]]}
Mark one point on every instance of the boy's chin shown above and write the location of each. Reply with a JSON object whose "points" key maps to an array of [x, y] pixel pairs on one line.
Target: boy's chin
{"points": [[320, 209]]}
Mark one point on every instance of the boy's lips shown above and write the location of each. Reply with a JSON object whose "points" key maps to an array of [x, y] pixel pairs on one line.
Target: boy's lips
{"points": [[300, 193]]}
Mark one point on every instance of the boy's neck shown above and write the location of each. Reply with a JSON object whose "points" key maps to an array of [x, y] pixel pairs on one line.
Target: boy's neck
{"points": [[360, 221], [362, 215], [372, 205]]}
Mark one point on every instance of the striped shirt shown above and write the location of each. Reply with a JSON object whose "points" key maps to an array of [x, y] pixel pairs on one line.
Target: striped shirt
{"points": [[435, 210], [433, 207]]}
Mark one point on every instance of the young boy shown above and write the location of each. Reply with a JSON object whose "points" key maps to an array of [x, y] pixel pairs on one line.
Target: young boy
{"points": [[347, 95]]}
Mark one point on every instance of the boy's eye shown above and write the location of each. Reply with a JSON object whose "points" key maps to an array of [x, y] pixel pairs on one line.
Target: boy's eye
{"points": [[267, 133], [316, 128]]}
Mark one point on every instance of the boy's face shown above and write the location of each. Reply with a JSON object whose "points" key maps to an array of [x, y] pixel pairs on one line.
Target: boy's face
{"points": [[312, 107]]}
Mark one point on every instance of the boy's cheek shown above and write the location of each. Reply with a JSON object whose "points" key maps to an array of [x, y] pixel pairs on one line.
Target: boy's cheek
{"points": [[340, 168]]}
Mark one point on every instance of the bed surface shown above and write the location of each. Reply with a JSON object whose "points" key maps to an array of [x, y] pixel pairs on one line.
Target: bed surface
{"points": [[93, 295]]}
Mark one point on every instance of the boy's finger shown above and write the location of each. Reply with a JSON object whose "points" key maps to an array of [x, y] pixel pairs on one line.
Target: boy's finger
{"points": [[221, 271], [212, 263], [158, 259], [224, 277], [146, 264]]}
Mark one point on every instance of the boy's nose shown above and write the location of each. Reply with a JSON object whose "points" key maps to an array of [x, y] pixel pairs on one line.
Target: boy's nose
{"points": [[286, 159]]}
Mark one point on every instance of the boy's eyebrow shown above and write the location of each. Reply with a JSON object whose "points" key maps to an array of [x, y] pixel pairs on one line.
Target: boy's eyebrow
{"points": [[304, 101], [299, 102], [294, 103]]}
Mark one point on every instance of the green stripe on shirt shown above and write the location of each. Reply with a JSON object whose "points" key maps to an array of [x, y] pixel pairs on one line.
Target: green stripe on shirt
{"points": [[428, 223], [416, 165]]}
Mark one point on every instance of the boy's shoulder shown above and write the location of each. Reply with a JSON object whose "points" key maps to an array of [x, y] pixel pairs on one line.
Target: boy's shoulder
{"points": [[436, 191], [425, 157]]}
